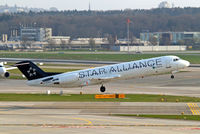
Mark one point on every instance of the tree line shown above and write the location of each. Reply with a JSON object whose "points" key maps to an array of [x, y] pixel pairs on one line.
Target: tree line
{"points": [[106, 23]]}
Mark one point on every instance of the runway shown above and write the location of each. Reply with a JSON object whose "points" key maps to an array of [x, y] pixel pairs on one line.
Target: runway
{"points": [[62, 117], [98, 118], [96, 124], [84, 124], [99, 108], [185, 83]]}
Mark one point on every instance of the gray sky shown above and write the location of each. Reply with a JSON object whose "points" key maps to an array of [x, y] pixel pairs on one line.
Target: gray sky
{"points": [[98, 4]]}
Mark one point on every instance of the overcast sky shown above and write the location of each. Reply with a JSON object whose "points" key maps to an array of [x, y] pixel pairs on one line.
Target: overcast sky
{"points": [[98, 4]]}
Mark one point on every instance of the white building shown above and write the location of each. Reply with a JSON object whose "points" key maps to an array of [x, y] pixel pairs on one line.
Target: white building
{"points": [[4, 37], [85, 41], [60, 39], [35, 34], [149, 48]]}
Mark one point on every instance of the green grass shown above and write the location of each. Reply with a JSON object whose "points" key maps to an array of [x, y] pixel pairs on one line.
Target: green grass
{"points": [[91, 98], [180, 117], [194, 59], [16, 77]]}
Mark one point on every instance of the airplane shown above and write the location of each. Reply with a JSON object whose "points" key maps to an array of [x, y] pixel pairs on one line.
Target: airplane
{"points": [[101, 75], [3, 70]]}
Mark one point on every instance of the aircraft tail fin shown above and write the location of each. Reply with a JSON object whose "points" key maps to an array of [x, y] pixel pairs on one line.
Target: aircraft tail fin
{"points": [[30, 70]]}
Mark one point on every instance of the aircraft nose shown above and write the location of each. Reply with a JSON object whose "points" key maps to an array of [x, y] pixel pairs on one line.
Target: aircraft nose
{"points": [[186, 63]]}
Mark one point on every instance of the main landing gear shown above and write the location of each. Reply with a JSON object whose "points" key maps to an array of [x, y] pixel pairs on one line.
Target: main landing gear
{"points": [[102, 88]]}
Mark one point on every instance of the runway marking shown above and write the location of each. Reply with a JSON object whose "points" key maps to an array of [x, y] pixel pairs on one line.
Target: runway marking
{"points": [[194, 108], [75, 126], [188, 128], [125, 123], [88, 121], [96, 125]]}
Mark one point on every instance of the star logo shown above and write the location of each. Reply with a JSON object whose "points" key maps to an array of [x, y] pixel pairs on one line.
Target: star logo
{"points": [[32, 72]]}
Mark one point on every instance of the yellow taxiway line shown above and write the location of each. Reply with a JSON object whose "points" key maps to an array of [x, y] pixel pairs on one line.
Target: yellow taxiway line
{"points": [[194, 108], [88, 121]]}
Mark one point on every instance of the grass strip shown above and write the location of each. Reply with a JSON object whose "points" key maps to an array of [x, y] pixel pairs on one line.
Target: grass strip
{"points": [[194, 59], [179, 117], [91, 98]]}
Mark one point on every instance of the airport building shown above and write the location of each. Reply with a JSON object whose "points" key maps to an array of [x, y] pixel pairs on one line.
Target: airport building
{"points": [[171, 37], [33, 38], [85, 41], [141, 49], [35, 34], [4, 37], [60, 39]]}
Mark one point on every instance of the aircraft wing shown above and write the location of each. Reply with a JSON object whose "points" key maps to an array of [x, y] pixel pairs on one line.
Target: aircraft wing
{"points": [[105, 78], [7, 69], [10, 68]]}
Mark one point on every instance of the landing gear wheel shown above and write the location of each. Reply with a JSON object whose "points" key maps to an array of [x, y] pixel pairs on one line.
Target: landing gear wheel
{"points": [[172, 76], [102, 88]]}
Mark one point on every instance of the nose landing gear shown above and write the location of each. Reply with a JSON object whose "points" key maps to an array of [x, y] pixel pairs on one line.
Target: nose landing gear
{"points": [[172, 76], [102, 88]]}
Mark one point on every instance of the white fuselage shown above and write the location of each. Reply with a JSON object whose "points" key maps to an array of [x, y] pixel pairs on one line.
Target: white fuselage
{"points": [[127, 70], [2, 69]]}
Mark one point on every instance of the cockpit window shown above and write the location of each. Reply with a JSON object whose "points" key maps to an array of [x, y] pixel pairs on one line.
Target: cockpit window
{"points": [[176, 59], [1, 66]]}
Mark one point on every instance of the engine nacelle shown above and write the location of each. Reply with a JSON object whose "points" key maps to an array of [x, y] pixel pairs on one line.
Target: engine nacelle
{"points": [[6, 74]]}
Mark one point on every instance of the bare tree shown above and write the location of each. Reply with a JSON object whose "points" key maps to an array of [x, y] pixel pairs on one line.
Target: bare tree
{"points": [[111, 41], [51, 44], [69, 44], [63, 44], [92, 44], [153, 40], [165, 41], [133, 39], [25, 43]]}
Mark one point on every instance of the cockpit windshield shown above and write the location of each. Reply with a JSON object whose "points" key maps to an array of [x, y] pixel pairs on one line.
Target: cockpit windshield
{"points": [[176, 59], [1, 66]]}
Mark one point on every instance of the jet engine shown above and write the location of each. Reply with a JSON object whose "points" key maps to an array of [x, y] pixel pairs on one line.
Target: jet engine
{"points": [[6, 74]]}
